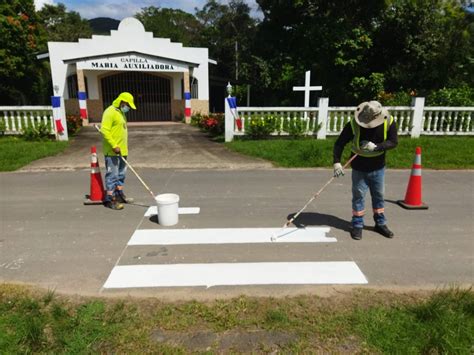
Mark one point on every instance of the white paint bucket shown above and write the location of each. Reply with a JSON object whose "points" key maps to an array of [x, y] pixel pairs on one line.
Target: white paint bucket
{"points": [[167, 209]]}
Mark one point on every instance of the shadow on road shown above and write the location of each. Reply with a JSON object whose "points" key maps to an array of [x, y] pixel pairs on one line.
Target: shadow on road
{"points": [[320, 219]]}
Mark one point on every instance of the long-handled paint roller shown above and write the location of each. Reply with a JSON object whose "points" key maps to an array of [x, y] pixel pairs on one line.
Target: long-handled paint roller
{"points": [[288, 222], [133, 170]]}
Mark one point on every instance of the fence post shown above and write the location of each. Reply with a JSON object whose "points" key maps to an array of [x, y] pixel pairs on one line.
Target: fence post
{"points": [[418, 104], [229, 122], [323, 104]]}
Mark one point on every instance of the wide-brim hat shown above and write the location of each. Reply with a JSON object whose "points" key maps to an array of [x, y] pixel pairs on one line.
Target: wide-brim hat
{"points": [[125, 97], [370, 114]]}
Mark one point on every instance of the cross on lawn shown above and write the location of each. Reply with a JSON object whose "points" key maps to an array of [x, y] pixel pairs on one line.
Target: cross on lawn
{"points": [[307, 89]]}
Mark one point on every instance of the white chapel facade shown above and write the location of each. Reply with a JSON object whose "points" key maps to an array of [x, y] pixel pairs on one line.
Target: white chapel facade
{"points": [[167, 80]]}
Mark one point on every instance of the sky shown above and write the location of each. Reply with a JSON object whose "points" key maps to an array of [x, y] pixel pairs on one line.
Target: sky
{"points": [[119, 9]]}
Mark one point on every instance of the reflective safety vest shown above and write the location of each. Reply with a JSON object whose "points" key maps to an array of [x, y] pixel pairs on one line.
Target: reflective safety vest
{"points": [[356, 141]]}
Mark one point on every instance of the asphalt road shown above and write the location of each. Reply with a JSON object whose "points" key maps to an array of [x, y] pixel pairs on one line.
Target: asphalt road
{"points": [[50, 239]]}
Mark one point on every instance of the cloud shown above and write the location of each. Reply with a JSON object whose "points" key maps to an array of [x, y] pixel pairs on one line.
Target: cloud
{"points": [[119, 9], [40, 3]]}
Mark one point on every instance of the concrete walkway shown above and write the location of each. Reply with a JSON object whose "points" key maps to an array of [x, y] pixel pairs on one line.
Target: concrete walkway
{"points": [[158, 146]]}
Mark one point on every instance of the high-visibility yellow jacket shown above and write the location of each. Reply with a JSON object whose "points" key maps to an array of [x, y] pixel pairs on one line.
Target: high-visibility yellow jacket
{"points": [[114, 131]]}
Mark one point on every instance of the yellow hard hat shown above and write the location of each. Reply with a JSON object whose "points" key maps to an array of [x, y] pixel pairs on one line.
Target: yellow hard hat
{"points": [[126, 97]]}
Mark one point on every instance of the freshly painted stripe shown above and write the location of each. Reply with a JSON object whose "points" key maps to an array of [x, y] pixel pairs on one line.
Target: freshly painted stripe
{"points": [[187, 96], [153, 210], [81, 95], [233, 274], [82, 104], [229, 236], [187, 111], [83, 112]]}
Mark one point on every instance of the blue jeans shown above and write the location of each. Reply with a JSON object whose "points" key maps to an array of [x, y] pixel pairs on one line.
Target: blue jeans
{"points": [[361, 182], [114, 174]]}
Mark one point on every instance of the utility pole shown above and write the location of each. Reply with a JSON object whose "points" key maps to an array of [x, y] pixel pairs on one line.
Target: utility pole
{"points": [[236, 60]]}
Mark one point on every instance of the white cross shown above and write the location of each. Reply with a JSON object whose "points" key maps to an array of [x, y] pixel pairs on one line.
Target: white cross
{"points": [[307, 88]]}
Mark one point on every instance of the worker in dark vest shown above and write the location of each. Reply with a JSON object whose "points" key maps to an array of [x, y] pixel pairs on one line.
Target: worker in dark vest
{"points": [[371, 132]]}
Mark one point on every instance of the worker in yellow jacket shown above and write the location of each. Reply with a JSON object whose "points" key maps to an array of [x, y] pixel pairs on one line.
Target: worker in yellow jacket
{"points": [[115, 144]]}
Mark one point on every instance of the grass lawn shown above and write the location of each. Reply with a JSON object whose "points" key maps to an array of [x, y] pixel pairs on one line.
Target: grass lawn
{"points": [[15, 152], [360, 321], [437, 152]]}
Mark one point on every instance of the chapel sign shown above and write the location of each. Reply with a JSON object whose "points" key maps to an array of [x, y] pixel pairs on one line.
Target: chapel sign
{"points": [[131, 62]]}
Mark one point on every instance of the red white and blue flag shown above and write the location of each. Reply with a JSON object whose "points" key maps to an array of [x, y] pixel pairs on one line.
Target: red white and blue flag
{"points": [[187, 104], [82, 104], [232, 101], [56, 103]]}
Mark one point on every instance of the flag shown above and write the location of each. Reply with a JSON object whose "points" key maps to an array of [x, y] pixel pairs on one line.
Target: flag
{"points": [[233, 108], [56, 103], [82, 104]]}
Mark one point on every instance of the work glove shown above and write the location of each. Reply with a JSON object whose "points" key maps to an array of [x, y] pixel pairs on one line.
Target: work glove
{"points": [[338, 170], [368, 146]]}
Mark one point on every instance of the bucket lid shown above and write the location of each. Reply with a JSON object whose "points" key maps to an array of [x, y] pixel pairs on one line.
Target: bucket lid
{"points": [[167, 198]]}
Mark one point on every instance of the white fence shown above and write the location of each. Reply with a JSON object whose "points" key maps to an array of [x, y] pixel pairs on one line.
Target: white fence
{"points": [[325, 121], [15, 119]]}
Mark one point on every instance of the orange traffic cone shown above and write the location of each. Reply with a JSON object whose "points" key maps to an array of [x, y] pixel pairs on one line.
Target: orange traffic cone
{"points": [[413, 196], [97, 187]]}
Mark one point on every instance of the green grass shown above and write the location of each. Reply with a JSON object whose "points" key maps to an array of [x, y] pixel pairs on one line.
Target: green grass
{"points": [[358, 321], [15, 152], [437, 152]]}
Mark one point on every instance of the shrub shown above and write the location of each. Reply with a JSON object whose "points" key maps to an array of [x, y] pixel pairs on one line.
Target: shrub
{"points": [[213, 123], [399, 98], [74, 124], [296, 127], [196, 120], [260, 127], [38, 133], [367, 87], [462, 96], [3, 127]]}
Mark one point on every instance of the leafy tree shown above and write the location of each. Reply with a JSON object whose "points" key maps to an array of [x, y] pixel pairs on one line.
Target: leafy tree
{"points": [[424, 45], [357, 48], [20, 38], [177, 25], [228, 32], [103, 25], [62, 25]]}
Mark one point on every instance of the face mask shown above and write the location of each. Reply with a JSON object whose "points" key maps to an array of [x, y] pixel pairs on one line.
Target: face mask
{"points": [[125, 109]]}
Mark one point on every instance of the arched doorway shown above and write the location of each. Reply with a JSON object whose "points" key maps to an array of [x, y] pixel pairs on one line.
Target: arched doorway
{"points": [[152, 94]]}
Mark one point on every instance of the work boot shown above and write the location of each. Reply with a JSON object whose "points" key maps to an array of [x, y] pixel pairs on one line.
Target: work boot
{"points": [[122, 198], [356, 233], [383, 229], [113, 204]]}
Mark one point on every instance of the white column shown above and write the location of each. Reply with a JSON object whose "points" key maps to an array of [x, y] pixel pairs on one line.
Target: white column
{"points": [[418, 104], [82, 96], [187, 98], [229, 122], [323, 104]]}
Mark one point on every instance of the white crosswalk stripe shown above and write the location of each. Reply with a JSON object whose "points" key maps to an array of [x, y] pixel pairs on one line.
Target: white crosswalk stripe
{"points": [[234, 273], [229, 236]]}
